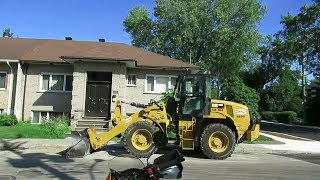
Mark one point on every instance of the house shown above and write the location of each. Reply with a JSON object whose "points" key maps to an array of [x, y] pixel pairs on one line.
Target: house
{"points": [[43, 78]]}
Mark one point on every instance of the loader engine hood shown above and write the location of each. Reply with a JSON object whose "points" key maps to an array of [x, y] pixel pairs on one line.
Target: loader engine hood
{"points": [[230, 103]]}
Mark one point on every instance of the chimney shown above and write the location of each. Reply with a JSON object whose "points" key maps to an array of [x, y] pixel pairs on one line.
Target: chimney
{"points": [[68, 38], [102, 40]]}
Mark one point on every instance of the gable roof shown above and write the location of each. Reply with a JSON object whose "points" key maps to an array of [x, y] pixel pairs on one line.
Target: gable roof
{"points": [[49, 50]]}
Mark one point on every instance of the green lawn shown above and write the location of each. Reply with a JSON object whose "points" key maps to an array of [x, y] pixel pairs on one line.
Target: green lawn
{"points": [[260, 139], [26, 130]]}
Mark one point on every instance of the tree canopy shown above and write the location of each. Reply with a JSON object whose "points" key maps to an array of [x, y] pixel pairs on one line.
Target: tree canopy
{"points": [[220, 35], [302, 35], [272, 59]]}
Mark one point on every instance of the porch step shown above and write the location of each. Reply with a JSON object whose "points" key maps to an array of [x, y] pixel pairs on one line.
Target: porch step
{"points": [[100, 124], [99, 130], [93, 122]]}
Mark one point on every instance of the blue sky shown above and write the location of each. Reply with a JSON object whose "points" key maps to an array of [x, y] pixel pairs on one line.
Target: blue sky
{"points": [[94, 19]]}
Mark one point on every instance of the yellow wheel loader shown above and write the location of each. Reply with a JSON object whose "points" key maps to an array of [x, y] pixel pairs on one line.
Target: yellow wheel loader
{"points": [[210, 125]]}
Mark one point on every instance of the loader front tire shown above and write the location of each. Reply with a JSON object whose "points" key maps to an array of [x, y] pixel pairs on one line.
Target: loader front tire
{"points": [[217, 141], [138, 139]]}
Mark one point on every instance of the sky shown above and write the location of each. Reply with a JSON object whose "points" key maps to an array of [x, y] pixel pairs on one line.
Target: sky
{"points": [[90, 20]]}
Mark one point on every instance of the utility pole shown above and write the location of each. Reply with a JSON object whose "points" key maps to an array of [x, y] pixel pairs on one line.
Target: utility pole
{"points": [[304, 95], [190, 60]]}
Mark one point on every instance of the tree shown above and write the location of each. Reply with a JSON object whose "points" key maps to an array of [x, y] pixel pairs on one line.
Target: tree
{"points": [[220, 35], [302, 33], [235, 90], [284, 94], [7, 33], [313, 102], [273, 56]]}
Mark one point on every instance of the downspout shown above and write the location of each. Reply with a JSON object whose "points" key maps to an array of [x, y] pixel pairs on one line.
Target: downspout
{"points": [[24, 90], [10, 89]]}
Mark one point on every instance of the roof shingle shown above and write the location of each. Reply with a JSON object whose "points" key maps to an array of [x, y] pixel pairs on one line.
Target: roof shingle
{"points": [[50, 50]]}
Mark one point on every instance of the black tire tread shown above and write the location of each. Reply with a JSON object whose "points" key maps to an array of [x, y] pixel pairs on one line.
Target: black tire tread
{"points": [[204, 141], [127, 139]]}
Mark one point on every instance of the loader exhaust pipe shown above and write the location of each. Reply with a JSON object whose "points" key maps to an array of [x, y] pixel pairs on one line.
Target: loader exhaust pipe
{"points": [[80, 148]]}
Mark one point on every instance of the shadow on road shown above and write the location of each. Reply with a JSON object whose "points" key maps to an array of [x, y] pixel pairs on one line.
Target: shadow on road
{"points": [[118, 149], [311, 158], [36, 165]]}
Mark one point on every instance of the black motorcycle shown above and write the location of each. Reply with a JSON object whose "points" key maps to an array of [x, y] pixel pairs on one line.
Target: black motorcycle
{"points": [[167, 166]]}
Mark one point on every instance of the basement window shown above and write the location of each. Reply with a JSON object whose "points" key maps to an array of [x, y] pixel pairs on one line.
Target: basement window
{"points": [[1, 111], [40, 117]]}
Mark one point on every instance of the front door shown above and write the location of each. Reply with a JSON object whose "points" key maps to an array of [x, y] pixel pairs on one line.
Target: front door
{"points": [[98, 94]]}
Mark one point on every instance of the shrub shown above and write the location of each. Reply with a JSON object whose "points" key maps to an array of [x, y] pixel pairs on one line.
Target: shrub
{"points": [[282, 117], [286, 117], [8, 120], [166, 95], [57, 127], [267, 115]]}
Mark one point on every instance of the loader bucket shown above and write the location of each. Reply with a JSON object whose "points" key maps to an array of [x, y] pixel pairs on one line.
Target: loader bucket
{"points": [[81, 147]]}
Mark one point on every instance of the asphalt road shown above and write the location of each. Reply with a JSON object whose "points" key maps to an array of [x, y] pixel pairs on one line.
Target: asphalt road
{"points": [[42, 164], [308, 133]]}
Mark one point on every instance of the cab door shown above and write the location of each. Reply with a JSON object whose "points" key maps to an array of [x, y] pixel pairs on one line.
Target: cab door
{"points": [[192, 96]]}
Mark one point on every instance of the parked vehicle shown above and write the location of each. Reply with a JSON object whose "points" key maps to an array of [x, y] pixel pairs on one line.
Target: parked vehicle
{"points": [[214, 126]]}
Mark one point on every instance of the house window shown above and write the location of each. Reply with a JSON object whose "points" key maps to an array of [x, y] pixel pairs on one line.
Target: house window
{"points": [[1, 111], [56, 82], [131, 80], [159, 83], [40, 117], [3, 76]]}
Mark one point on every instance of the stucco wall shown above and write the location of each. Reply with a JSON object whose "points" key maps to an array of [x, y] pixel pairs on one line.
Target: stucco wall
{"points": [[137, 94], [118, 71], [45, 101]]}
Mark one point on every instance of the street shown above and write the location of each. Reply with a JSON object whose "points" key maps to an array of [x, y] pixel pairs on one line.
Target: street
{"points": [[309, 133], [248, 162]]}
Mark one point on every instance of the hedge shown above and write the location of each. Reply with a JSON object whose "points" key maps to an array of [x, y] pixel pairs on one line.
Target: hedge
{"points": [[282, 117]]}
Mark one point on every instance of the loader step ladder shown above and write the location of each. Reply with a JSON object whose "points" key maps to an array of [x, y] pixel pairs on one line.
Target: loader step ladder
{"points": [[187, 141]]}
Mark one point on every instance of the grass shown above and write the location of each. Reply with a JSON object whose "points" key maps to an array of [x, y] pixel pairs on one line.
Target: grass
{"points": [[260, 139], [27, 130]]}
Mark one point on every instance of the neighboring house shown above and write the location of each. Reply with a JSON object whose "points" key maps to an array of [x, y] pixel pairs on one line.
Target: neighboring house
{"points": [[42, 78]]}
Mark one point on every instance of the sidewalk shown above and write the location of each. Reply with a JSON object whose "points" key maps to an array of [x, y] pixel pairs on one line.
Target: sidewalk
{"points": [[54, 145], [299, 146]]}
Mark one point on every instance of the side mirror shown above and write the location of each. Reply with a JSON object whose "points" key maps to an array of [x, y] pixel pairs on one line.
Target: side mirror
{"points": [[160, 139]]}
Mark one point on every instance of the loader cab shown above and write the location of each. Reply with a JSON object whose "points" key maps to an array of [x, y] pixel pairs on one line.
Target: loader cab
{"points": [[192, 96]]}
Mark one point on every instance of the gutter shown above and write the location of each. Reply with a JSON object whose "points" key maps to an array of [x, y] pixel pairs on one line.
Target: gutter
{"points": [[71, 59], [9, 60]]}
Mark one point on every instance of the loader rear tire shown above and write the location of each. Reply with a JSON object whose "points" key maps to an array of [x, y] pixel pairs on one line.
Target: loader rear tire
{"points": [[138, 139], [217, 141]]}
